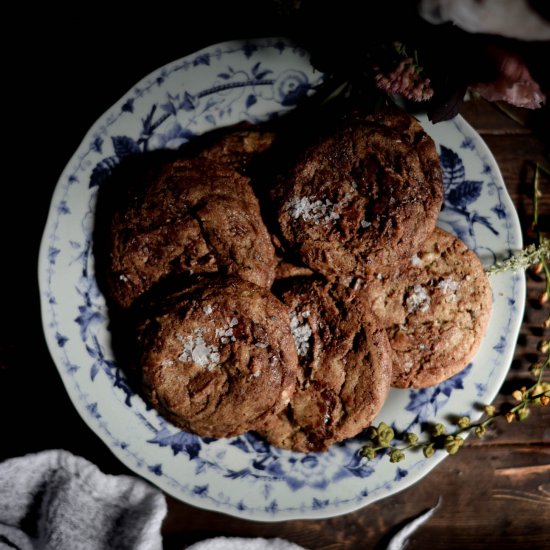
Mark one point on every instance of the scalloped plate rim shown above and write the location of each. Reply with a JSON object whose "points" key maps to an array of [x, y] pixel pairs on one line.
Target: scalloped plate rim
{"points": [[143, 471]]}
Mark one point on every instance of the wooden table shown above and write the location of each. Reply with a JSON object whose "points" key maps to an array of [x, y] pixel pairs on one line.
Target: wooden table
{"points": [[495, 493]]}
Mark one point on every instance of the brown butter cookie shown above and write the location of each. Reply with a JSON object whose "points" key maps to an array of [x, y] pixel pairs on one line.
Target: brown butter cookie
{"points": [[220, 358], [196, 217], [344, 367], [357, 199], [410, 130], [238, 148], [435, 308]]}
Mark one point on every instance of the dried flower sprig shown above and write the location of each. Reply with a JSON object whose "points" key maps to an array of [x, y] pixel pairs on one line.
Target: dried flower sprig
{"points": [[406, 79], [536, 255], [544, 264], [530, 255], [383, 438]]}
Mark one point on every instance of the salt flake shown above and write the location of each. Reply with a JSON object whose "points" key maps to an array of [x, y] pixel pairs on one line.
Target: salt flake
{"points": [[418, 300], [300, 332], [449, 287], [315, 211], [196, 350]]}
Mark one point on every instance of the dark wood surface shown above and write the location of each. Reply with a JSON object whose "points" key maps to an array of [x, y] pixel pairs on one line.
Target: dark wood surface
{"points": [[495, 493]]}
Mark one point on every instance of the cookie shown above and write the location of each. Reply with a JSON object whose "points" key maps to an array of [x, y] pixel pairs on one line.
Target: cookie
{"points": [[435, 309], [218, 358], [414, 134], [238, 149], [196, 217], [288, 268], [344, 367], [357, 199]]}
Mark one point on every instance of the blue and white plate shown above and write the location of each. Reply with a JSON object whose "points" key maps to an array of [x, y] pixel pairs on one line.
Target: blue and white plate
{"points": [[244, 476]]}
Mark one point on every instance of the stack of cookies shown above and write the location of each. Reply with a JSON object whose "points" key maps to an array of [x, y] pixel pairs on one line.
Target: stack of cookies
{"points": [[289, 304]]}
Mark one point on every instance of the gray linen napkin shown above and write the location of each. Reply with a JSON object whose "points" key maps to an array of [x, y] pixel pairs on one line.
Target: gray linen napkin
{"points": [[55, 501], [238, 543]]}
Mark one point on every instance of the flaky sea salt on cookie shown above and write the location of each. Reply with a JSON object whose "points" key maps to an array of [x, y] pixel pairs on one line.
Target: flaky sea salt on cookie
{"points": [[435, 308], [357, 199], [344, 367], [218, 358]]}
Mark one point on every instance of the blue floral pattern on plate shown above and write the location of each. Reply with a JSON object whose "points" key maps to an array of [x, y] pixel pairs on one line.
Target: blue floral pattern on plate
{"points": [[244, 476]]}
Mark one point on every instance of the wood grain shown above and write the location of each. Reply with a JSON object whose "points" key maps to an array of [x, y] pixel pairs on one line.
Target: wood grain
{"points": [[493, 497]]}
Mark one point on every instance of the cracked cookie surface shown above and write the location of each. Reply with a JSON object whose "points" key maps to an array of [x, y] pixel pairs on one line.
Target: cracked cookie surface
{"points": [[344, 367], [357, 199], [412, 132], [196, 217], [435, 308], [239, 148], [218, 358]]}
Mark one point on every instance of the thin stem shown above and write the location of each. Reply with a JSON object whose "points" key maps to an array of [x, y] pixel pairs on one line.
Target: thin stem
{"points": [[536, 193]]}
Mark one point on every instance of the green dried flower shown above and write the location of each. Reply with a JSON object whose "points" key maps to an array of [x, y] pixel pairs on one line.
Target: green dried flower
{"points": [[438, 430], [481, 431], [522, 414], [396, 455], [368, 453], [535, 368], [522, 259], [385, 435], [411, 439], [463, 422], [428, 450], [453, 443], [517, 395]]}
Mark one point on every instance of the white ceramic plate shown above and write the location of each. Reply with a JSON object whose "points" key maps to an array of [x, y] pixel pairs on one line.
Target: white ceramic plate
{"points": [[244, 476]]}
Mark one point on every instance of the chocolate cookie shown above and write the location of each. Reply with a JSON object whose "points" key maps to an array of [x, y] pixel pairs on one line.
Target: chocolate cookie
{"points": [[197, 216], [357, 199], [220, 359], [344, 367], [414, 134], [435, 309], [288, 268], [237, 149]]}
